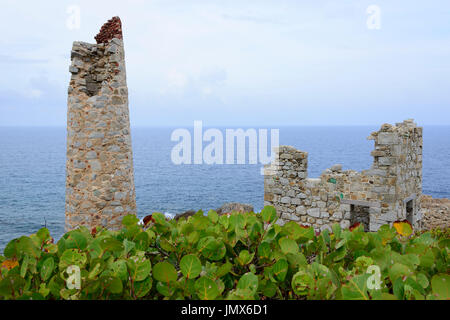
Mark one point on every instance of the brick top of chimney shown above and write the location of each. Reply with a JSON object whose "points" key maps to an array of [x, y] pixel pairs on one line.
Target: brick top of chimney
{"points": [[111, 29]]}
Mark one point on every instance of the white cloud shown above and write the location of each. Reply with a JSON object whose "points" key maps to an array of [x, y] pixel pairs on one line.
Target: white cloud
{"points": [[176, 79], [34, 93]]}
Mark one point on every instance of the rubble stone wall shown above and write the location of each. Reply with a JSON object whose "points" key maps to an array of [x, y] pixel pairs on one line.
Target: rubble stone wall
{"points": [[99, 169], [435, 213], [383, 192]]}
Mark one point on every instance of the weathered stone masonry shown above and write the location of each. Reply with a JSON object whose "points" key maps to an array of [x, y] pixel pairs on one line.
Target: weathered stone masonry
{"points": [[100, 181], [391, 190]]}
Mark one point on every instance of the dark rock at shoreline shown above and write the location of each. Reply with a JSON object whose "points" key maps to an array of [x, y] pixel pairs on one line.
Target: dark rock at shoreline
{"points": [[234, 206], [225, 209], [186, 214]]}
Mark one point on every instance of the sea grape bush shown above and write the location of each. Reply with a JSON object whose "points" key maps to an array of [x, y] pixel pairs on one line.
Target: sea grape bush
{"points": [[237, 256]]}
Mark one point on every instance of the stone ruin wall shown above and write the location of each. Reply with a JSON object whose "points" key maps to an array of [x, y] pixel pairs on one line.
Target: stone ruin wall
{"points": [[391, 190], [99, 181]]}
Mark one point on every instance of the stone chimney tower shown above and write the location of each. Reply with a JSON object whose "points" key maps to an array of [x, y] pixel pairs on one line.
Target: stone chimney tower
{"points": [[99, 170]]}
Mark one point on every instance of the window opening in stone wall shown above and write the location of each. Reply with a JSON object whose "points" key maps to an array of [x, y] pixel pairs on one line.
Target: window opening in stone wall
{"points": [[410, 211], [360, 214]]}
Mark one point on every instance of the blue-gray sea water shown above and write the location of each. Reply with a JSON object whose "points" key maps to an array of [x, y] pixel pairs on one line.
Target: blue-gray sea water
{"points": [[32, 172]]}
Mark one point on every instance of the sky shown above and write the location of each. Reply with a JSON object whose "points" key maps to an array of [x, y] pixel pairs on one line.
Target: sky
{"points": [[238, 63]]}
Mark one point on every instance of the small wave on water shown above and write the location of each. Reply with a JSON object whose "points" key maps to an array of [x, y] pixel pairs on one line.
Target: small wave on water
{"points": [[169, 215]]}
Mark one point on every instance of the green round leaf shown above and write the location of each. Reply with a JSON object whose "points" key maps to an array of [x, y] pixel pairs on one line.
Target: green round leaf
{"points": [[142, 241], [72, 257], [264, 250], [269, 289], [302, 282], [288, 246], [423, 280], [224, 269], [75, 240], [269, 214], [440, 283], [96, 266], [206, 289], [43, 234], [190, 266], [211, 248], [280, 269], [165, 289], [26, 246], [159, 218], [213, 216], [47, 268], [164, 272], [143, 287], [398, 270], [292, 229], [120, 270], [111, 244], [356, 288], [130, 220], [11, 284], [306, 234], [248, 281], [111, 284], [141, 268], [245, 257], [11, 249]]}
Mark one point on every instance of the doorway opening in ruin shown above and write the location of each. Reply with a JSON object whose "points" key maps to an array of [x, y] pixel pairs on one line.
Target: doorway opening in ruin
{"points": [[360, 214], [410, 211]]}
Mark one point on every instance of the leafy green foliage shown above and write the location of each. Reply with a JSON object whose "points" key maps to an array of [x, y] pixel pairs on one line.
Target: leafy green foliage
{"points": [[238, 256]]}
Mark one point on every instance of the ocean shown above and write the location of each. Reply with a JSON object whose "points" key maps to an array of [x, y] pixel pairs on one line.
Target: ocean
{"points": [[32, 172]]}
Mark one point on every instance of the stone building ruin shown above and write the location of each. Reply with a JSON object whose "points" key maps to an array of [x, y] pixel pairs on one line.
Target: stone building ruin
{"points": [[99, 170], [390, 191]]}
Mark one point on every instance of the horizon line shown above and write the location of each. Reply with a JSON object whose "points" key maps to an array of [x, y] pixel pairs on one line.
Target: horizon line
{"points": [[274, 126]]}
